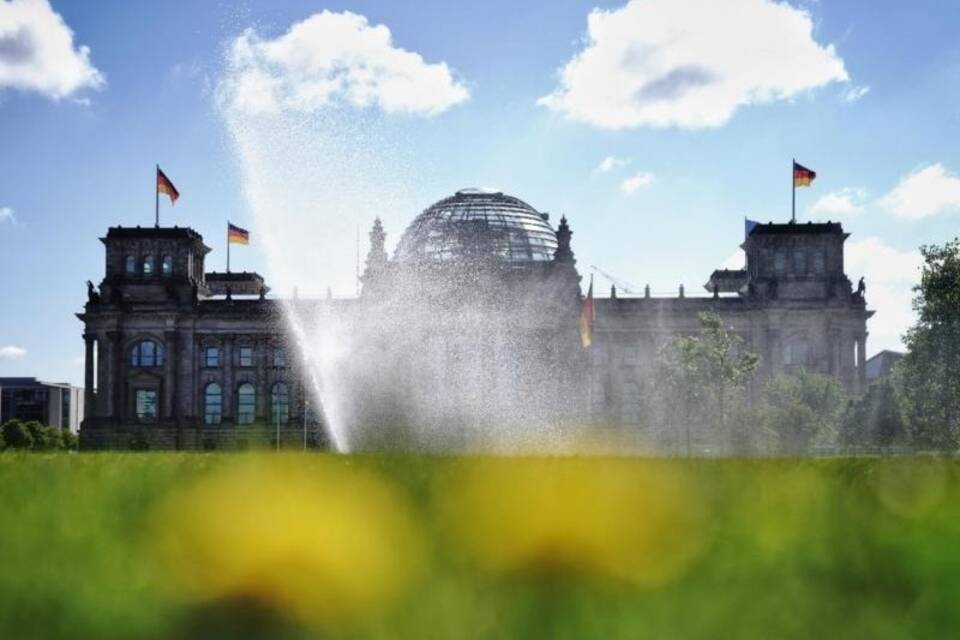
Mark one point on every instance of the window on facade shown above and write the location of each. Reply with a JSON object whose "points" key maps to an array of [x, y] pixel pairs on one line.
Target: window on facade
{"points": [[146, 353], [795, 352], [280, 404], [130, 265], [799, 261], [211, 357], [146, 404], [246, 356], [167, 266], [212, 404], [279, 357], [148, 266], [246, 404], [818, 262], [780, 261]]}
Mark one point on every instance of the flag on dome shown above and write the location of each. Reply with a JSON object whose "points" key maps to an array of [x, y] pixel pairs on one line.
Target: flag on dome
{"points": [[802, 177]]}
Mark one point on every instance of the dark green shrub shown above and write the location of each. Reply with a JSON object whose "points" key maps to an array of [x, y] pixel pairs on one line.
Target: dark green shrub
{"points": [[16, 435], [71, 441]]}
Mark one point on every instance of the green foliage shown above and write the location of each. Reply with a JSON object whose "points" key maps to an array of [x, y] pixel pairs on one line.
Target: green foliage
{"points": [[700, 374], [34, 436], [804, 409], [929, 374], [70, 441], [16, 435], [876, 419]]}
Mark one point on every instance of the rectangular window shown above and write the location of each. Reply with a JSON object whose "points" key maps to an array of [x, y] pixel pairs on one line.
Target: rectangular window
{"points": [[799, 261], [780, 261], [279, 357], [146, 404], [818, 262], [246, 356], [211, 357]]}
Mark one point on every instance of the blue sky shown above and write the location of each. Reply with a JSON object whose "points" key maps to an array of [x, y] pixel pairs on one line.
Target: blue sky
{"points": [[697, 115]]}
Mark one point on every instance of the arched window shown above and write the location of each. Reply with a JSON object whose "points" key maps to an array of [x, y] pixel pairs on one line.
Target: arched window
{"points": [[246, 404], [146, 353], [130, 265], [148, 266], [279, 404], [167, 266], [212, 404]]}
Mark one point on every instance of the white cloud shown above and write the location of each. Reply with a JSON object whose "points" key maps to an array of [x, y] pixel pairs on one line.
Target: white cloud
{"points": [[37, 52], [927, 191], [844, 202], [636, 182], [855, 92], [890, 275], [6, 215], [690, 63], [79, 361], [12, 353], [610, 163], [335, 58]]}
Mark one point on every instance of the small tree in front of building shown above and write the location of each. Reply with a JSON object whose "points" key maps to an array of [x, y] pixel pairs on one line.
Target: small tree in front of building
{"points": [[804, 409], [876, 419], [700, 374]]}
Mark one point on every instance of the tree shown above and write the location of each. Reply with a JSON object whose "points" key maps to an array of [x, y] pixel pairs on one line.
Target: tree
{"points": [[16, 435], [876, 419], [803, 408], [699, 373], [929, 374]]}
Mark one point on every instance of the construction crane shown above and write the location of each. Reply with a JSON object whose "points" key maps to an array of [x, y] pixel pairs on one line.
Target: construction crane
{"points": [[623, 285]]}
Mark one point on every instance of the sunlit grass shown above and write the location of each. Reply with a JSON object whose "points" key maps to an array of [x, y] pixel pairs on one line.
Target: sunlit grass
{"points": [[259, 545]]}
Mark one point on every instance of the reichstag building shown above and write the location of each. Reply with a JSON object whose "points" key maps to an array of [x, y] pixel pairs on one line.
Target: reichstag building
{"points": [[179, 358]]}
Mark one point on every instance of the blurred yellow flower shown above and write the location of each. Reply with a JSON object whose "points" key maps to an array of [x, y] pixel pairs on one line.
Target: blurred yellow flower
{"points": [[317, 541], [632, 520]]}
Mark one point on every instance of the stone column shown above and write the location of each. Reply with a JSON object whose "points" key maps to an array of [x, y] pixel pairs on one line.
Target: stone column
{"points": [[228, 383], [115, 400], [103, 377], [170, 375], [861, 379], [261, 350], [88, 397]]}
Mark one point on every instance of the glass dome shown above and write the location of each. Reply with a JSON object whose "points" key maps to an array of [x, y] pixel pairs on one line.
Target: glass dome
{"points": [[478, 224]]}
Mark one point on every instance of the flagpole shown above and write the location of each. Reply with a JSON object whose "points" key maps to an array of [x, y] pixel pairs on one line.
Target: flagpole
{"points": [[156, 198], [228, 246], [793, 199]]}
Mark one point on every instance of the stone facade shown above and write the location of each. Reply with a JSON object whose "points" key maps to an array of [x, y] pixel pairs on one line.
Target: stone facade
{"points": [[180, 359], [156, 340]]}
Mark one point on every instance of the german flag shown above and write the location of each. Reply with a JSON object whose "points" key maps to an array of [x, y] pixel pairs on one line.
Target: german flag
{"points": [[236, 235], [164, 185], [802, 177], [586, 318]]}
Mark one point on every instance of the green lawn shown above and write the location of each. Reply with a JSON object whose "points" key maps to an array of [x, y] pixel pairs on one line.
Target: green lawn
{"points": [[258, 545]]}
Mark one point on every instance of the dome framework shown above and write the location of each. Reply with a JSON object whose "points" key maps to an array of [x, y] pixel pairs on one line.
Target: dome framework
{"points": [[478, 224]]}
